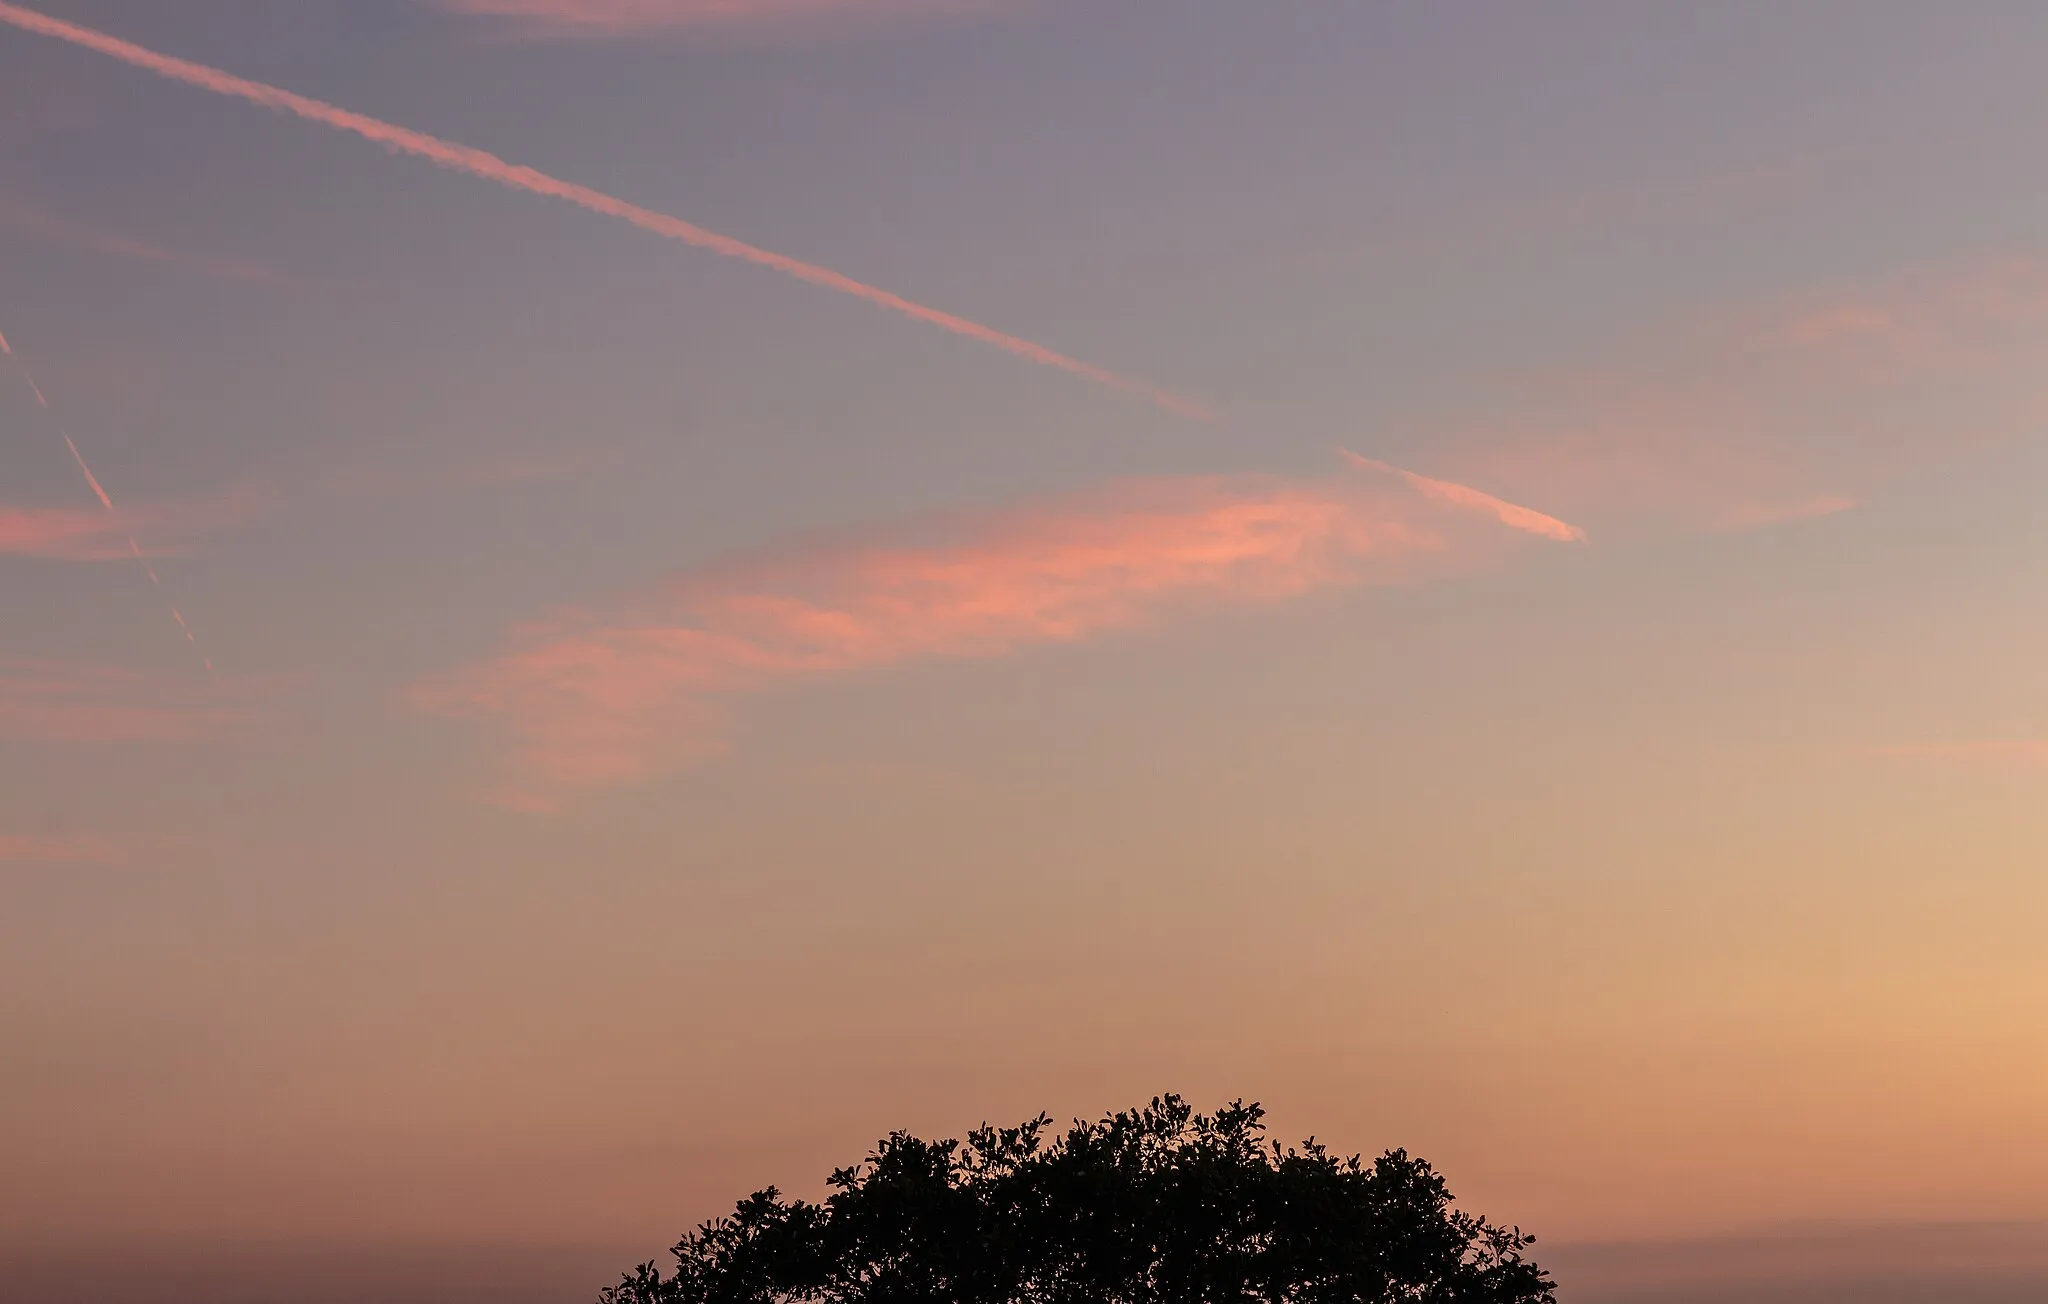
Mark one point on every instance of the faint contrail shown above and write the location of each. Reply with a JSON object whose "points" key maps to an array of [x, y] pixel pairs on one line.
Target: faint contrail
{"points": [[476, 162], [100, 491]]}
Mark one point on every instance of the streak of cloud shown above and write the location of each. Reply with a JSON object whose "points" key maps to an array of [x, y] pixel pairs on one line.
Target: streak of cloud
{"points": [[1797, 410], [59, 534], [54, 702], [172, 526], [614, 18], [99, 491], [54, 532], [1464, 495], [593, 699], [72, 534], [478, 163], [25, 219]]}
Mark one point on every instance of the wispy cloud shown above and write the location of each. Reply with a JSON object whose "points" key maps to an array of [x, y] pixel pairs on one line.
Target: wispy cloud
{"points": [[614, 18], [1464, 495], [172, 527], [477, 163], [1599, 210], [26, 219], [590, 698], [1801, 409], [60, 532], [77, 534], [99, 490], [56, 702]]}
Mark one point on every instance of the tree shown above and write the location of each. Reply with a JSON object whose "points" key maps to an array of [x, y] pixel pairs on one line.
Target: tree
{"points": [[1157, 1205]]}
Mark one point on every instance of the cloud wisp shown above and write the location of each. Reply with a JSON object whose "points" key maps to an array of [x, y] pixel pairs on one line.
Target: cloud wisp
{"points": [[49, 702], [100, 492], [72, 534], [1801, 409], [1464, 495], [59, 533], [26, 219], [172, 526], [632, 18], [591, 698], [478, 163]]}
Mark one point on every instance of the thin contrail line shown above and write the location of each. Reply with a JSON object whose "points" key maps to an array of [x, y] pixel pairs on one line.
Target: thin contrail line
{"points": [[100, 491], [476, 162]]}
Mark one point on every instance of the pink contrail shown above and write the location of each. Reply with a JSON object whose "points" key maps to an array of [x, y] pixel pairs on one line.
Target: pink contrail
{"points": [[90, 478], [105, 501], [478, 163]]}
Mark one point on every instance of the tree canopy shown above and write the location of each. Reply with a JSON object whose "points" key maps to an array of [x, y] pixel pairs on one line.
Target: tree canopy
{"points": [[1156, 1205]]}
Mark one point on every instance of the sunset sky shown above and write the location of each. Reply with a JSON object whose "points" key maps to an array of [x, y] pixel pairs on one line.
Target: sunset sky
{"points": [[602, 601]]}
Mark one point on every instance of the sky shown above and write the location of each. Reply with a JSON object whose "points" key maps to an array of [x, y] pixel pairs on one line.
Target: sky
{"points": [[603, 601]]}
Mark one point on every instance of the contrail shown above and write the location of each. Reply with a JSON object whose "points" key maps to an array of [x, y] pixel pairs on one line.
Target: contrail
{"points": [[100, 491], [478, 163]]}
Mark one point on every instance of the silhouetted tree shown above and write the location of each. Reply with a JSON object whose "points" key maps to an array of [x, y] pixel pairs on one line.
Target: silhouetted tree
{"points": [[1159, 1205]]}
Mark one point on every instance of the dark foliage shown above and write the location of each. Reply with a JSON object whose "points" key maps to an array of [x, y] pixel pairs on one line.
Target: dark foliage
{"points": [[1160, 1205]]}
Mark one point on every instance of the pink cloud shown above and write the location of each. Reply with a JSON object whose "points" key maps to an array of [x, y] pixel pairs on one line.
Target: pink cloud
{"points": [[602, 18], [97, 534], [172, 527], [1464, 495], [589, 699], [61, 532], [55, 702], [1805, 408]]}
